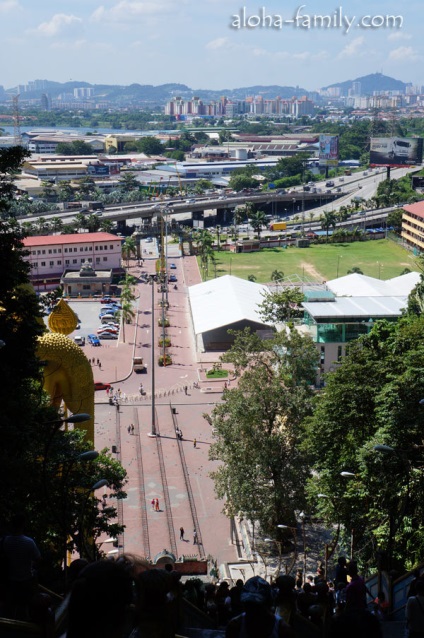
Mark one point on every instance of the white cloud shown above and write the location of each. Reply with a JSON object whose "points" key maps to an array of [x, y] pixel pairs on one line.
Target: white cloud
{"points": [[126, 11], [6, 6], [219, 43], [353, 48], [404, 53], [60, 24], [399, 35]]}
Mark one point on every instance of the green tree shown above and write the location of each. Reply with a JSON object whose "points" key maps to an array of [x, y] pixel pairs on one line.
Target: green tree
{"points": [[240, 182], [65, 192], [11, 160], [128, 181], [129, 248], [277, 275], [383, 500], [150, 146], [257, 428], [328, 220], [56, 224], [77, 147], [355, 269], [204, 243], [48, 190], [282, 305], [290, 166], [257, 221], [394, 219]]}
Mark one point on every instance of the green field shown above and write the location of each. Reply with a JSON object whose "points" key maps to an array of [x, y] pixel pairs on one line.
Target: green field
{"points": [[380, 258]]}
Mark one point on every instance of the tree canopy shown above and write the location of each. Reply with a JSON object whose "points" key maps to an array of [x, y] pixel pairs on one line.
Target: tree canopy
{"points": [[374, 399], [257, 428]]}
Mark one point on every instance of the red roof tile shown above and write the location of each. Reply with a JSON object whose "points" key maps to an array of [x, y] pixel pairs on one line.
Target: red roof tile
{"points": [[76, 238], [415, 209]]}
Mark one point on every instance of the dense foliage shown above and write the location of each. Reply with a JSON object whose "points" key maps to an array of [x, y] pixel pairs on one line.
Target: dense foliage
{"points": [[257, 428]]}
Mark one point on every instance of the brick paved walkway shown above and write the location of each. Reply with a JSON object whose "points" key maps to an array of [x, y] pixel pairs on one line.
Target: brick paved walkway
{"points": [[116, 367]]}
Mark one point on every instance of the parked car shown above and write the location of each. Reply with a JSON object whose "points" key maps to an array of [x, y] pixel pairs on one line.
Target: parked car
{"points": [[173, 278], [172, 266], [107, 299], [107, 328], [93, 340], [99, 385], [106, 334], [80, 341]]}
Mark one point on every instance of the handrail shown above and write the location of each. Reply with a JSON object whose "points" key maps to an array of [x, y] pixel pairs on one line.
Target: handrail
{"points": [[188, 485], [168, 509], [143, 514]]}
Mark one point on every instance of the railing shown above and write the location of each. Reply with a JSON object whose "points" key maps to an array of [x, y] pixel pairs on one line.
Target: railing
{"points": [[188, 486], [168, 510]]}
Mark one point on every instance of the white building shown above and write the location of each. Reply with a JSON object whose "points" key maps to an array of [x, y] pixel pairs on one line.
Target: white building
{"points": [[51, 256]]}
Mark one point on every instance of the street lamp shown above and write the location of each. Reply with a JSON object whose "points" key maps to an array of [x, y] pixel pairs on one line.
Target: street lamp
{"points": [[294, 532], [278, 543], [218, 230], [153, 417]]}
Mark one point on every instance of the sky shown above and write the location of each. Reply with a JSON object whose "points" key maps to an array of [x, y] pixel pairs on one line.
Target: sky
{"points": [[210, 44]]}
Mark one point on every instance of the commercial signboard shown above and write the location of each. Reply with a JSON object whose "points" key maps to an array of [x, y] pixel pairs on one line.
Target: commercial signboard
{"points": [[98, 169], [328, 150], [396, 151]]}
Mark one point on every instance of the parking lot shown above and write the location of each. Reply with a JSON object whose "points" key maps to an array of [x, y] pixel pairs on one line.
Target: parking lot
{"points": [[88, 314]]}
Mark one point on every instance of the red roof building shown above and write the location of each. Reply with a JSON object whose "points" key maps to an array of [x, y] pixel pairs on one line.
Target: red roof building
{"points": [[51, 256]]}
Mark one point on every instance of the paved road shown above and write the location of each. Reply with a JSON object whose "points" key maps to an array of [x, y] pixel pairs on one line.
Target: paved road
{"points": [[111, 427]]}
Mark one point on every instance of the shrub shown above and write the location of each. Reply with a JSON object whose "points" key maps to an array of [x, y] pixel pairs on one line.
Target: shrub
{"points": [[163, 322], [165, 361], [167, 341]]}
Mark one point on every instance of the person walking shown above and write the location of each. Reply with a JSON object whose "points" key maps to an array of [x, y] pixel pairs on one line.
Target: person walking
{"points": [[194, 537], [129, 429], [185, 389], [153, 503], [195, 443], [181, 533], [132, 428], [157, 505]]}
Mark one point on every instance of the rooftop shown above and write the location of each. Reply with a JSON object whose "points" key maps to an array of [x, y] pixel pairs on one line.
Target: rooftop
{"points": [[76, 238]]}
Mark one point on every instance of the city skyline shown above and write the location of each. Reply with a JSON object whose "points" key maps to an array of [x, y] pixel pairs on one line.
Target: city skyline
{"points": [[216, 44]]}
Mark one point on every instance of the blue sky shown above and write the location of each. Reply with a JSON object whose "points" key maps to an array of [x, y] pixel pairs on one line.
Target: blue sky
{"points": [[209, 43]]}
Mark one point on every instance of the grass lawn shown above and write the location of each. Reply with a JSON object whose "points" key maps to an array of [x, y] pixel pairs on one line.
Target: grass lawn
{"points": [[376, 258], [217, 374]]}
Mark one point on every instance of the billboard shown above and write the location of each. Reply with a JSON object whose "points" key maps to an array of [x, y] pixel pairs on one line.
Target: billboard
{"points": [[97, 169], [396, 151], [328, 150]]}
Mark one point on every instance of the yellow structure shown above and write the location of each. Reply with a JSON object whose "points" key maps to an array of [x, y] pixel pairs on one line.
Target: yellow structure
{"points": [[413, 225], [68, 377]]}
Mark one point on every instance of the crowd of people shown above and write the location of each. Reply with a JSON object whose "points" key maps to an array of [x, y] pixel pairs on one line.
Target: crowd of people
{"points": [[126, 596]]}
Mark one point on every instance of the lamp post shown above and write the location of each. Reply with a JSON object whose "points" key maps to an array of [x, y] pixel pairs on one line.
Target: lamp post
{"points": [[153, 417], [218, 230], [302, 517], [294, 532], [338, 262], [278, 543]]}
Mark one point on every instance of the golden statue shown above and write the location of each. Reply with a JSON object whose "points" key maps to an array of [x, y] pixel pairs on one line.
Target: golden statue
{"points": [[68, 376]]}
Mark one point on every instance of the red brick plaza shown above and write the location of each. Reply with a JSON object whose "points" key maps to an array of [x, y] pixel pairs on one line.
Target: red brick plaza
{"points": [[178, 402]]}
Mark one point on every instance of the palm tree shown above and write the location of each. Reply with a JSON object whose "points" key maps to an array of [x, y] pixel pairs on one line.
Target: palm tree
{"points": [[56, 224], [257, 221], [128, 181], [204, 241], [42, 225], [48, 191], [80, 222], [129, 247], [277, 275], [328, 220], [106, 225], [93, 223]]}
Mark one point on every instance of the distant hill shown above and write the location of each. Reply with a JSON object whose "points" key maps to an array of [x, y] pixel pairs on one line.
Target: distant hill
{"points": [[150, 95], [139, 93], [370, 83]]}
